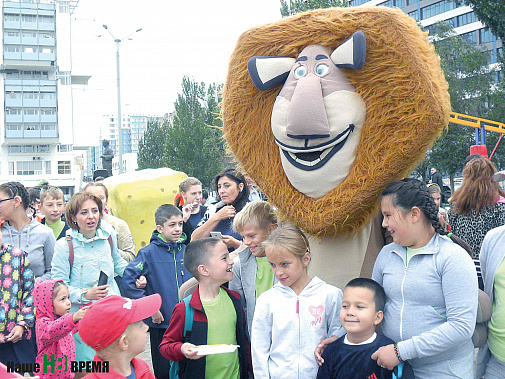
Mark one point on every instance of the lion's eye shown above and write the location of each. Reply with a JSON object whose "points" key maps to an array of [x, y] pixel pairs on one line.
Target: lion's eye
{"points": [[322, 69], [300, 71]]}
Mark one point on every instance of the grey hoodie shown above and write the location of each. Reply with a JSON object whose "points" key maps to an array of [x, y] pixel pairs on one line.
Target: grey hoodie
{"points": [[431, 306], [37, 240]]}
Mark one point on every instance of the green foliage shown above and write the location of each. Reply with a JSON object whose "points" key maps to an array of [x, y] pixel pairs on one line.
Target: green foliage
{"points": [[152, 146], [194, 140], [298, 6], [491, 13]]}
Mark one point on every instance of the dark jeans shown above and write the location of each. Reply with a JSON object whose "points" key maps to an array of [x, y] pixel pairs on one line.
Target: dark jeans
{"points": [[161, 365]]}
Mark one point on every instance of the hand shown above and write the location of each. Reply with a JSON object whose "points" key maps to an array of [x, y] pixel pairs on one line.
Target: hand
{"points": [[77, 316], [97, 292], [186, 212], [15, 334], [441, 218], [157, 318], [386, 357], [229, 241], [141, 282], [189, 351], [228, 211], [318, 353]]}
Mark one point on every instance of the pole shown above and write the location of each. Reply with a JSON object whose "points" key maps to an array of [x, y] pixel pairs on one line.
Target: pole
{"points": [[119, 120]]}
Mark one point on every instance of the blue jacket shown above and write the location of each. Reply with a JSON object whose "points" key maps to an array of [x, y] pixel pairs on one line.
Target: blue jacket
{"points": [[162, 264]]}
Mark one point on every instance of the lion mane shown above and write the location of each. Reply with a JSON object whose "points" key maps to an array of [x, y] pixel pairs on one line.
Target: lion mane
{"points": [[404, 90]]}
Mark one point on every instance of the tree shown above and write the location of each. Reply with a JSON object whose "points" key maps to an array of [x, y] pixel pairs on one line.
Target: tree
{"points": [[194, 141], [489, 12], [298, 6], [152, 146]]}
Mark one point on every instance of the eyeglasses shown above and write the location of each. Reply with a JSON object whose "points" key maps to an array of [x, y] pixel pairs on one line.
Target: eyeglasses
{"points": [[9, 198]]}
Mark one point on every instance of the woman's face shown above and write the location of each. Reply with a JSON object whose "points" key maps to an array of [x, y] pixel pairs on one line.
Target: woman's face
{"points": [[437, 197], [228, 189], [87, 218], [98, 192], [7, 206], [193, 194]]}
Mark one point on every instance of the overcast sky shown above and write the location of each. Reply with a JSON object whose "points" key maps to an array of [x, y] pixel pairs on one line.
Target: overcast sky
{"points": [[193, 38]]}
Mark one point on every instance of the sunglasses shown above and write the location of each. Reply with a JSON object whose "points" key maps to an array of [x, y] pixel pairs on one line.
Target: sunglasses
{"points": [[9, 198]]}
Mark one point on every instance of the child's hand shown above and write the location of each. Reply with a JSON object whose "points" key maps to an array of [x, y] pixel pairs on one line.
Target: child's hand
{"points": [[97, 292], [231, 242], [77, 316], [189, 351], [318, 353], [157, 318], [15, 334], [141, 282], [386, 357]]}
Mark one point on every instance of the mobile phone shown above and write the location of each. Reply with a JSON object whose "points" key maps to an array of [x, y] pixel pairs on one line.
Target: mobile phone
{"points": [[216, 235], [102, 280]]}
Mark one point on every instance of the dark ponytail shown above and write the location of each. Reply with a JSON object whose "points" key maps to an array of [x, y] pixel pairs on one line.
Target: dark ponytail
{"points": [[408, 193], [13, 189]]}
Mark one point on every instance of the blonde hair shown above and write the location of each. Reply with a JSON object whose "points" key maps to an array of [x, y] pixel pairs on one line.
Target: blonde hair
{"points": [[55, 192], [258, 213], [289, 237], [188, 182]]}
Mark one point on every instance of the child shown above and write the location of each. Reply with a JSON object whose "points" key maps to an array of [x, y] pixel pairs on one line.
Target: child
{"points": [[431, 288], [52, 206], [252, 274], [161, 263], [217, 319], [55, 325], [113, 327], [350, 357], [292, 317], [17, 314], [436, 194]]}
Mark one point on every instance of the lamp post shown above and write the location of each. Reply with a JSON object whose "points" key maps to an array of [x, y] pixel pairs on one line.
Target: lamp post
{"points": [[119, 125]]}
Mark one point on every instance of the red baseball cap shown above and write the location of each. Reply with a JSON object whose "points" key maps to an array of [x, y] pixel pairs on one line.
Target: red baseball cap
{"points": [[109, 317]]}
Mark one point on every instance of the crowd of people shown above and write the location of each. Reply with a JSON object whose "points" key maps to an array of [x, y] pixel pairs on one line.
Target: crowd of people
{"points": [[224, 289]]}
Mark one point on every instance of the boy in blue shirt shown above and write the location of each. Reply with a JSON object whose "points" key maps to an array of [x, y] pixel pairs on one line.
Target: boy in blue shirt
{"points": [[350, 357], [161, 263]]}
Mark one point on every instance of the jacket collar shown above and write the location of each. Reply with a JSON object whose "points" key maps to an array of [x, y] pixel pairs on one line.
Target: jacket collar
{"points": [[432, 247], [196, 303]]}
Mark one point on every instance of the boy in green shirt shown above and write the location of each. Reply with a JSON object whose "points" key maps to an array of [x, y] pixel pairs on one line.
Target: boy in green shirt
{"points": [[52, 206], [217, 318]]}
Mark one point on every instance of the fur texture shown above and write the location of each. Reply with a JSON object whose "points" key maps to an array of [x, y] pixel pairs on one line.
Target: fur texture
{"points": [[401, 83]]}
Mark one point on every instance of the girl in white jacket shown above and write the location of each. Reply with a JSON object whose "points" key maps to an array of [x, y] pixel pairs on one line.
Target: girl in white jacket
{"points": [[292, 317]]}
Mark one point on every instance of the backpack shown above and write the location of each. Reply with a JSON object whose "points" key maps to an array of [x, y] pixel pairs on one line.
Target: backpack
{"points": [[71, 249], [188, 325]]}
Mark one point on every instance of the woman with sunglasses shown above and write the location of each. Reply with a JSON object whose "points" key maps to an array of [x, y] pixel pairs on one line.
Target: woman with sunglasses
{"points": [[24, 231]]}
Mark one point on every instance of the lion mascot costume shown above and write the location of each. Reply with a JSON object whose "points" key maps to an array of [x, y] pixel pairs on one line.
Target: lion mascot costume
{"points": [[323, 110]]}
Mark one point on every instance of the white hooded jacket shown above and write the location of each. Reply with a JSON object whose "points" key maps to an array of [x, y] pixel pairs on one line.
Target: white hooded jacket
{"points": [[287, 328]]}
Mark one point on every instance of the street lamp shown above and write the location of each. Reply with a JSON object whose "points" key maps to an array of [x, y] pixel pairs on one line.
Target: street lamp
{"points": [[119, 125]]}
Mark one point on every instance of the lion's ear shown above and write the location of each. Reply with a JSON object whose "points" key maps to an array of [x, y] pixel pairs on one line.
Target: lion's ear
{"points": [[265, 72], [352, 53]]}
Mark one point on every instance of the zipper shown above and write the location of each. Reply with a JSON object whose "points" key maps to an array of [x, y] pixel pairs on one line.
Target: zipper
{"points": [[176, 276], [299, 333]]}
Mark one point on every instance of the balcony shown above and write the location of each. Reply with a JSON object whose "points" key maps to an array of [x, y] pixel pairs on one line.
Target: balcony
{"points": [[31, 134]]}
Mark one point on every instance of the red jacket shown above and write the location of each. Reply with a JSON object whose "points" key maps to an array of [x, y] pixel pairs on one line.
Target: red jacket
{"points": [[141, 368], [173, 338]]}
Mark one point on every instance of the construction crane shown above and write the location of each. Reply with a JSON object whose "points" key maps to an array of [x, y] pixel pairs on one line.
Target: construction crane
{"points": [[480, 125]]}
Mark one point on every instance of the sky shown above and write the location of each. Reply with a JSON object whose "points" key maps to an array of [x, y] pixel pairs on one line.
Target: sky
{"points": [[193, 38]]}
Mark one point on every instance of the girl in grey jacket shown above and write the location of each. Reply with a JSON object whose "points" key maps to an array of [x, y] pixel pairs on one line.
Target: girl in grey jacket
{"points": [[431, 288]]}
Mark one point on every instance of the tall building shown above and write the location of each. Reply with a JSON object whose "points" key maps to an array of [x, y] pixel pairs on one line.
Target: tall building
{"points": [[460, 17], [36, 131]]}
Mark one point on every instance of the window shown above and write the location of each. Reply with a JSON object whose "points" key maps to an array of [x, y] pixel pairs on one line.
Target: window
{"points": [[46, 19], [11, 17], [48, 127], [29, 34], [11, 168], [48, 111], [28, 18], [64, 148], [13, 95], [46, 35], [64, 167], [13, 111], [29, 167], [437, 8], [28, 149], [29, 49], [65, 77], [48, 167], [485, 35], [12, 49], [11, 33], [30, 95], [64, 6], [32, 127], [30, 111], [14, 127], [46, 50], [47, 95], [470, 37]]}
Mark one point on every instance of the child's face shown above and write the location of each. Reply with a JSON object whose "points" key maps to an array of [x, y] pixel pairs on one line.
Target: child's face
{"points": [[358, 315], [171, 230], [288, 268], [437, 197], [52, 209], [219, 266], [137, 337], [253, 236], [98, 192], [61, 302], [396, 222]]}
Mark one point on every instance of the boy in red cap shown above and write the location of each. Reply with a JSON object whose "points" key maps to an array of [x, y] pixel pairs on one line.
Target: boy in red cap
{"points": [[113, 327]]}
